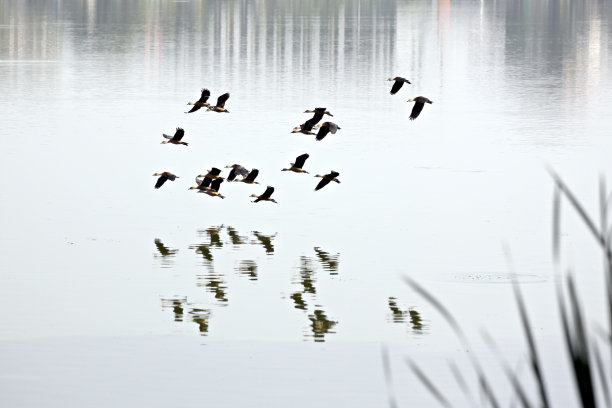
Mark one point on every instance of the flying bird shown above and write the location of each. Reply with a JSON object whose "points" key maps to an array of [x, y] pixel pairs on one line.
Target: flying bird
{"points": [[307, 126], [213, 173], [399, 82], [326, 179], [200, 102], [419, 101], [203, 184], [299, 163], [213, 191], [325, 128], [176, 139], [265, 196], [236, 169], [220, 105], [166, 175], [250, 179]]}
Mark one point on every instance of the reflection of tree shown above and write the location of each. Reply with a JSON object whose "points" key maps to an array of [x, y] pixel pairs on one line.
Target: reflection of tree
{"points": [[266, 241], [298, 300], [235, 237], [248, 268], [330, 263], [321, 325]]}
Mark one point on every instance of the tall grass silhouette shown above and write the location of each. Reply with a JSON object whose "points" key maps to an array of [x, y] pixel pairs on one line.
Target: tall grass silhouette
{"points": [[589, 370]]}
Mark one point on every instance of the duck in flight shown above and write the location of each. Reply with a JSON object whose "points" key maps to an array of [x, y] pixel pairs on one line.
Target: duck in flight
{"points": [[213, 173], [200, 102], [299, 163], [308, 126], [220, 105], [399, 82], [265, 196], [250, 179], [236, 169], [419, 102], [325, 128], [326, 179], [166, 175], [213, 191], [176, 139], [203, 184]]}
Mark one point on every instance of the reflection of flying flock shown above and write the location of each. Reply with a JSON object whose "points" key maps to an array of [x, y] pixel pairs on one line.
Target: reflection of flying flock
{"points": [[210, 183]]}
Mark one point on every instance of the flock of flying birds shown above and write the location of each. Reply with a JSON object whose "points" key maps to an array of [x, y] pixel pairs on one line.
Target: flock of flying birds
{"points": [[210, 182]]}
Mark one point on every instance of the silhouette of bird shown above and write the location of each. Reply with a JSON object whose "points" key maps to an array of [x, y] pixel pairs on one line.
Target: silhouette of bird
{"points": [[309, 125], [213, 191], [420, 101], [220, 105], [326, 179], [265, 196], [322, 111], [325, 128], [250, 179], [399, 82], [203, 184], [212, 173], [237, 169], [176, 139], [200, 102], [299, 163], [166, 175]]}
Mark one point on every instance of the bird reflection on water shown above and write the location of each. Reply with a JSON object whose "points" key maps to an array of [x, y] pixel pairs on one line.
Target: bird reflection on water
{"points": [[198, 315], [316, 323], [400, 316], [166, 254]]}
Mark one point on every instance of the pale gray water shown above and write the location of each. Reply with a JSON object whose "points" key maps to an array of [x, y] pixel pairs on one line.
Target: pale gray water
{"points": [[91, 251]]}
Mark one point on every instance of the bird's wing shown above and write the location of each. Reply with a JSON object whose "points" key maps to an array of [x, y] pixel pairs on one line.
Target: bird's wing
{"points": [[214, 171], [232, 174], [222, 99], [333, 174], [205, 95], [171, 176], [322, 183], [161, 248], [315, 119], [206, 182], [160, 181], [397, 85], [267, 193], [300, 160], [323, 131], [332, 127], [252, 175], [195, 108], [418, 107], [166, 136], [216, 184], [178, 135]]}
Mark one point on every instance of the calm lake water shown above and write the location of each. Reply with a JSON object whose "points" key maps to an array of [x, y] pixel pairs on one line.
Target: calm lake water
{"points": [[117, 294]]}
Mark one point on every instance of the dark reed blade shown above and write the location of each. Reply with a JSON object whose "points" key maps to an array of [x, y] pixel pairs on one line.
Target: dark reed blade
{"points": [[427, 383], [388, 377], [556, 224], [512, 376], [482, 380], [603, 380], [533, 352], [462, 384], [575, 340]]}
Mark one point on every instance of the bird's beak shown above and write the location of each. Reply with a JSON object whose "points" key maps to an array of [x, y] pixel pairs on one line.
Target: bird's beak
{"points": [[410, 100]]}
